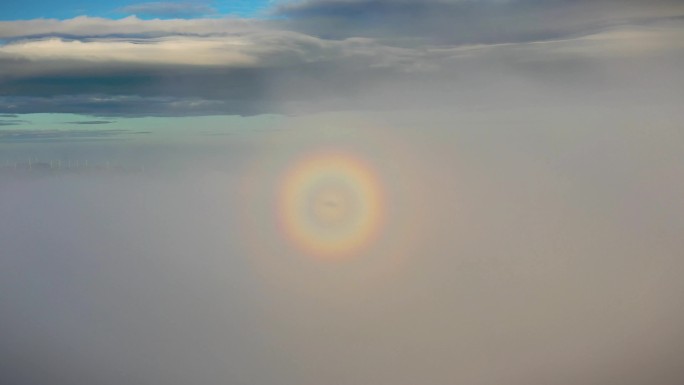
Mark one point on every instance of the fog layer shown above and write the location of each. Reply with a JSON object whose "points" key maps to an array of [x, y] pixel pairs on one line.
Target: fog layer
{"points": [[514, 250]]}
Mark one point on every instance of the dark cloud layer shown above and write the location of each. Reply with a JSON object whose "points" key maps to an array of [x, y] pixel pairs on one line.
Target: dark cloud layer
{"points": [[14, 122], [471, 22]]}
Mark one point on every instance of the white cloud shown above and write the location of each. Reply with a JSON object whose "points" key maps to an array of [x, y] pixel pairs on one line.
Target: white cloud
{"points": [[178, 50], [132, 25]]}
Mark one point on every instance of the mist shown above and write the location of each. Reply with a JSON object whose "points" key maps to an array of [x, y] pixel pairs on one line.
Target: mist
{"points": [[342, 192], [513, 251]]}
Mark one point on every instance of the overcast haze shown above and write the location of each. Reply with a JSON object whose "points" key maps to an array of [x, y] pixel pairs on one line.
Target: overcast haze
{"points": [[342, 192]]}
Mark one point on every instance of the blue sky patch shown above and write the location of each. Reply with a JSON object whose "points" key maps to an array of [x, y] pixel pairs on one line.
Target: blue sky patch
{"points": [[23, 10]]}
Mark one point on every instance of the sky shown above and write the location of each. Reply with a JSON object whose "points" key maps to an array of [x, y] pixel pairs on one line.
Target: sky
{"points": [[345, 192], [44, 9]]}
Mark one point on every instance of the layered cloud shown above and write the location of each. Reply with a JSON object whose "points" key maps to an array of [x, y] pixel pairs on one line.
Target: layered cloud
{"points": [[326, 54], [84, 26]]}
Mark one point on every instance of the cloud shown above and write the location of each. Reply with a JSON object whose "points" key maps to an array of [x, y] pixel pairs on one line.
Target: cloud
{"points": [[11, 122], [537, 250], [177, 50], [131, 26], [532, 184], [237, 72], [468, 21], [169, 9], [320, 55]]}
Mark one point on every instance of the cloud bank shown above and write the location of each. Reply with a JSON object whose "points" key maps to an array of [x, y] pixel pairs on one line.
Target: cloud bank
{"points": [[524, 251], [343, 54]]}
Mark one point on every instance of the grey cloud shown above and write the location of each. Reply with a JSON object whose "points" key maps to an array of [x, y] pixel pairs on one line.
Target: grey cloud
{"points": [[468, 21], [169, 9], [265, 66], [11, 122], [293, 74], [134, 67]]}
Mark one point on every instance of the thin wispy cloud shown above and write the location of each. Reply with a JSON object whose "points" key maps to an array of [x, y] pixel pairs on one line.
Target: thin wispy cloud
{"points": [[169, 9], [56, 136]]}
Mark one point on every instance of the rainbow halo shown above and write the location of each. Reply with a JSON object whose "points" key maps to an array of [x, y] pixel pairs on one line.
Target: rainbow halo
{"points": [[331, 205]]}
